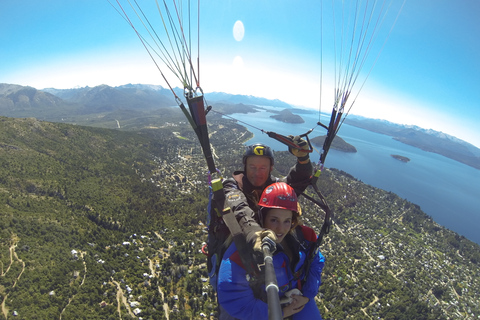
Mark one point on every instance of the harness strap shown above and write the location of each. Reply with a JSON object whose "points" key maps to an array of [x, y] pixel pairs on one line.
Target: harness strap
{"points": [[327, 223], [218, 196], [199, 125]]}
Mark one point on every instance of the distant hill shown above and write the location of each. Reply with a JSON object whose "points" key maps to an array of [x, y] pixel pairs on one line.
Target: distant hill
{"points": [[427, 140], [21, 101], [105, 98], [249, 100], [288, 117], [230, 108], [48, 103]]}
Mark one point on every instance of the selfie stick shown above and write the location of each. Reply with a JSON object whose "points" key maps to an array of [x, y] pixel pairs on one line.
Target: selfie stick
{"points": [[271, 287]]}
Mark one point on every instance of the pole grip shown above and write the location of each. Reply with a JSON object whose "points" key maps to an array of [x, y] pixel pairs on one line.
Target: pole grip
{"points": [[271, 286]]}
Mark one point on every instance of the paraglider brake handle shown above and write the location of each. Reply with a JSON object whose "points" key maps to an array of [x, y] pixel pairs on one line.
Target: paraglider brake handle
{"points": [[208, 110], [322, 125], [289, 141]]}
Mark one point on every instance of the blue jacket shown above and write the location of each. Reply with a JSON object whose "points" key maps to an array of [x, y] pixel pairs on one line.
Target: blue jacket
{"points": [[236, 296]]}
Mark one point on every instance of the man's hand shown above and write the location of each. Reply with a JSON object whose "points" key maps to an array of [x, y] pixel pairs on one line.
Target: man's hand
{"points": [[259, 237], [302, 154]]}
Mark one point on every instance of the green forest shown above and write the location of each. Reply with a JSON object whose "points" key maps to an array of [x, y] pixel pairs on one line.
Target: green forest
{"points": [[102, 223]]}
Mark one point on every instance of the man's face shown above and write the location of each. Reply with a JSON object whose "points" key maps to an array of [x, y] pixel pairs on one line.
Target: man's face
{"points": [[258, 170]]}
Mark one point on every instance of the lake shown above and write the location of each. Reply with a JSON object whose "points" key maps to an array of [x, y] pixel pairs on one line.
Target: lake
{"points": [[446, 190]]}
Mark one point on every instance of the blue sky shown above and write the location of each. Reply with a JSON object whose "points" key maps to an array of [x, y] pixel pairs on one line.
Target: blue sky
{"points": [[427, 73]]}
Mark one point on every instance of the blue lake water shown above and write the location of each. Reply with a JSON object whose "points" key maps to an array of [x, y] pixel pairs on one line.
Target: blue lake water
{"points": [[446, 190]]}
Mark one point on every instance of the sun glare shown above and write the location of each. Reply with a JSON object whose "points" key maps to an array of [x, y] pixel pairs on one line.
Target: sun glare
{"points": [[238, 30]]}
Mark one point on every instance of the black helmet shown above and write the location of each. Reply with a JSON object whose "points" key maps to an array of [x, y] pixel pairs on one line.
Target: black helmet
{"points": [[258, 149]]}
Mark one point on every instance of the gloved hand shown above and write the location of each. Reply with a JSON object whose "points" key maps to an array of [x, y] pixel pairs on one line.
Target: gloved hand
{"points": [[301, 154], [257, 246]]}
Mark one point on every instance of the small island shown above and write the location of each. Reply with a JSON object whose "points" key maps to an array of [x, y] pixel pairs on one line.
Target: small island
{"points": [[288, 117], [337, 144], [401, 158]]}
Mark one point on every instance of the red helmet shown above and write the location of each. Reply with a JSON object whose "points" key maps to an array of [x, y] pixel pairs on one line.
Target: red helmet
{"points": [[280, 196]]}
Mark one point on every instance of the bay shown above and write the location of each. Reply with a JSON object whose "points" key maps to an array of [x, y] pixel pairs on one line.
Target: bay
{"points": [[446, 190]]}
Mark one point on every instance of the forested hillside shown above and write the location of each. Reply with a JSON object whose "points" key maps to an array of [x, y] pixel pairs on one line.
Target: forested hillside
{"points": [[107, 224]]}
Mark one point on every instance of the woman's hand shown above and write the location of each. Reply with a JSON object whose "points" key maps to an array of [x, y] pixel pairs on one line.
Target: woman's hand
{"points": [[297, 304]]}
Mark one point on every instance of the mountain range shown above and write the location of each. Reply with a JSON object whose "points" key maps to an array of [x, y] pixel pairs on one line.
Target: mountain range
{"points": [[105, 105], [425, 139]]}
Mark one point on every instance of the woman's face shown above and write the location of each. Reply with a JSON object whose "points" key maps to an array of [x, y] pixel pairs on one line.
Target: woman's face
{"points": [[279, 221]]}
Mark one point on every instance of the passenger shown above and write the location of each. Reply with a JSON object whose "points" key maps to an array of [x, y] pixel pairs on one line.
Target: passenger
{"points": [[243, 297]]}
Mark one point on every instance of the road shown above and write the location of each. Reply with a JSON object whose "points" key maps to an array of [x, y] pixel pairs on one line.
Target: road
{"points": [[13, 257]]}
